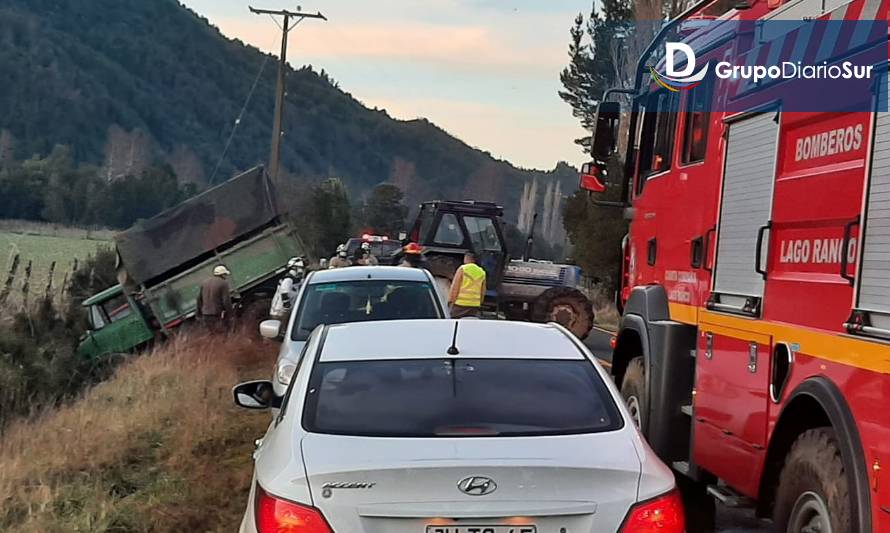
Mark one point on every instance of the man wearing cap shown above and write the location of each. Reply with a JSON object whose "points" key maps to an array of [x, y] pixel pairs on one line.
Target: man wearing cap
{"points": [[214, 304], [467, 289]]}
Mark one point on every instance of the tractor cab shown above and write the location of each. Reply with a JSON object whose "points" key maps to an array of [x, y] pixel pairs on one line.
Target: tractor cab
{"points": [[447, 230]]}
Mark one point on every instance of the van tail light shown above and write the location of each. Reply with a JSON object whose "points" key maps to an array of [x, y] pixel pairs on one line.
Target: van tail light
{"points": [[274, 515], [663, 514]]}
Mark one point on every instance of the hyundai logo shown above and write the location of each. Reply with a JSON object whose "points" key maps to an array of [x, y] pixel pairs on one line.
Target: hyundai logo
{"points": [[477, 485]]}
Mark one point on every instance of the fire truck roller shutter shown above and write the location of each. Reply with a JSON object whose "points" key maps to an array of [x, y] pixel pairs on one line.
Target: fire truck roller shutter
{"points": [[746, 206], [874, 279]]}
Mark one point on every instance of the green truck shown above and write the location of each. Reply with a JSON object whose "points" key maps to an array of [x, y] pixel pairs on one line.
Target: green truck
{"points": [[163, 261]]}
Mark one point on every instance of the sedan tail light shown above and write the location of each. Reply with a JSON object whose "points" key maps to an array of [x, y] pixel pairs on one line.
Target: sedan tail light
{"points": [[663, 514], [274, 515]]}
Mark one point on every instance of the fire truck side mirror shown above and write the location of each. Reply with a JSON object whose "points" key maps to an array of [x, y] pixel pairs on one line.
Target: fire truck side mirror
{"points": [[592, 178], [605, 135]]}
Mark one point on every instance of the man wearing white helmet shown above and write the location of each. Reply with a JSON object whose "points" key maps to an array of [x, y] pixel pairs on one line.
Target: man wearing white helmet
{"points": [[364, 257], [214, 304], [341, 259], [288, 288]]}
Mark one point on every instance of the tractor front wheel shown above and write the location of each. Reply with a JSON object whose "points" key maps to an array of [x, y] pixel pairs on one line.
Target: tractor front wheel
{"points": [[567, 307]]}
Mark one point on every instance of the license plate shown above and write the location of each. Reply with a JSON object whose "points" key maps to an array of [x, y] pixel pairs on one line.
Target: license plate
{"points": [[481, 529]]}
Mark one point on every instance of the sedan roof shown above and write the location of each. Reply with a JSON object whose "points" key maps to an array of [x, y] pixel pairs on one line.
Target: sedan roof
{"points": [[428, 339], [358, 273]]}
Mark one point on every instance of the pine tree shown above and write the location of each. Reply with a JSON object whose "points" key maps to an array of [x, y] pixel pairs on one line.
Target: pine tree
{"points": [[597, 60]]}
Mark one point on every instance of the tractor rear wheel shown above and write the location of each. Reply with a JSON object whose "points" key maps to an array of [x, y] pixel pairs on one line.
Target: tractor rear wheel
{"points": [[443, 268], [567, 307]]}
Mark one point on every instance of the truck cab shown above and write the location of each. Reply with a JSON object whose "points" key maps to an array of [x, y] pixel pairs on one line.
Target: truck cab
{"points": [[117, 324]]}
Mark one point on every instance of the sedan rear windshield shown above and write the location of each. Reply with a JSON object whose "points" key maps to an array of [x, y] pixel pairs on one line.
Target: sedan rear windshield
{"points": [[363, 301], [458, 398]]}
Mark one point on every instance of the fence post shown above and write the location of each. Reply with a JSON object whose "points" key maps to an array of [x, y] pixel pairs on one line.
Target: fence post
{"points": [[26, 284], [48, 291], [10, 279]]}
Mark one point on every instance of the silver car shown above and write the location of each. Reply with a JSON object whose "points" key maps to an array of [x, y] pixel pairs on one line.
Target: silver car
{"points": [[444, 426], [354, 294]]}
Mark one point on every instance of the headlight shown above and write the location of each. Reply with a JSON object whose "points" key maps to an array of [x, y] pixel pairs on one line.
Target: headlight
{"points": [[286, 372]]}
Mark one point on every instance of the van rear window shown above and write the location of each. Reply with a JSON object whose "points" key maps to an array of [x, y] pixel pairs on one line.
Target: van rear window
{"points": [[458, 398]]}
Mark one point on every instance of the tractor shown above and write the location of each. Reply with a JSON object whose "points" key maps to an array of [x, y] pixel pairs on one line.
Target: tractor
{"points": [[520, 289]]}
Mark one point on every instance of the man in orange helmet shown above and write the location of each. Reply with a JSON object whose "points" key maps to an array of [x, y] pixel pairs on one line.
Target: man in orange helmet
{"points": [[414, 256]]}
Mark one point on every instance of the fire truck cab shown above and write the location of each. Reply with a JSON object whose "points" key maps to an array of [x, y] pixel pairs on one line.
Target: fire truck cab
{"points": [[754, 345]]}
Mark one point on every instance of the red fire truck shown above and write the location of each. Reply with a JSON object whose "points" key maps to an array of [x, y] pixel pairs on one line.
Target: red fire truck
{"points": [[754, 346]]}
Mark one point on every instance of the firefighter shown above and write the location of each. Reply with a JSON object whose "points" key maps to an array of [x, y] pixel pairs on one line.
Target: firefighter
{"points": [[288, 288], [467, 289], [414, 257], [341, 259], [214, 304], [364, 257]]}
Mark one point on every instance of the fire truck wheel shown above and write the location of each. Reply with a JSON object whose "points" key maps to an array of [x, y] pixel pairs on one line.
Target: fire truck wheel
{"points": [[566, 306], [814, 491], [633, 389]]}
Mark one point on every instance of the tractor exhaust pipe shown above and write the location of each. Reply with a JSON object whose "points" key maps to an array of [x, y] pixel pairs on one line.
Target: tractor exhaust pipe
{"points": [[530, 240]]}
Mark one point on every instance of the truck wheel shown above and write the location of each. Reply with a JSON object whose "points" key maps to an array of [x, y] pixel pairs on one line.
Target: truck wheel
{"points": [[814, 490], [566, 306], [633, 390]]}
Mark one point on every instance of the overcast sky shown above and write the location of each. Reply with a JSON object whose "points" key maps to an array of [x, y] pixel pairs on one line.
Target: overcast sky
{"points": [[485, 70]]}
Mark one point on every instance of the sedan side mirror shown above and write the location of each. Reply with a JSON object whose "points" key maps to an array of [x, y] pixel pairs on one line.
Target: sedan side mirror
{"points": [[257, 395], [270, 329]]}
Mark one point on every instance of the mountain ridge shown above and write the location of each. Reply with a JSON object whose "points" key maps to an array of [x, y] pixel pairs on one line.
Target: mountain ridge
{"points": [[129, 82]]}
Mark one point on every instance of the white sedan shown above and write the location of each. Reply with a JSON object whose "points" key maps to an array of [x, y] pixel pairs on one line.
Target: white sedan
{"points": [[444, 426], [354, 294]]}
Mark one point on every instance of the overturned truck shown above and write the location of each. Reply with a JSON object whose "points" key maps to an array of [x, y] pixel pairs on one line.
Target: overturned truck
{"points": [[162, 262]]}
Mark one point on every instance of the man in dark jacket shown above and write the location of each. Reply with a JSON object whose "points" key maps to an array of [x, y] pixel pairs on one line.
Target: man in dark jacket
{"points": [[214, 305]]}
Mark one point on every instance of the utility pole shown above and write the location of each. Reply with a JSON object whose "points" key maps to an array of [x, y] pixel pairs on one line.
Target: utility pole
{"points": [[280, 91]]}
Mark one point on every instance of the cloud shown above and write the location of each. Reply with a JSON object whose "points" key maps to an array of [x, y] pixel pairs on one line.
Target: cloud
{"points": [[457, 47], [487, 71]]}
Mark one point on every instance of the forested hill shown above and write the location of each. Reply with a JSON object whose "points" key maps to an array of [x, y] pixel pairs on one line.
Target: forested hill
{"points": [[129, 83]]}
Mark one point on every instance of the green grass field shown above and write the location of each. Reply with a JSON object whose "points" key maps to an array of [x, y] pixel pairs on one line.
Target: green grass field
{"points": [[42, 250]]}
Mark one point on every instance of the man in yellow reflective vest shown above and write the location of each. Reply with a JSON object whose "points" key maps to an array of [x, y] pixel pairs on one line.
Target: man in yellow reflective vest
{"points": [[467, 288]]}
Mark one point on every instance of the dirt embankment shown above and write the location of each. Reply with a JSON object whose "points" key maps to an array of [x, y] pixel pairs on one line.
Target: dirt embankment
{"points": [[158, 447]]}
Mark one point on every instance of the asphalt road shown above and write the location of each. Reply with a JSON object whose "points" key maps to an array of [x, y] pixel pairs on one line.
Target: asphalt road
{"points": [[728, 520]]}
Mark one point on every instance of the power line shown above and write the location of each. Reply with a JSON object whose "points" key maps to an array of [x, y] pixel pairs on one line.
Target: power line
{"points": [[241, 114]]}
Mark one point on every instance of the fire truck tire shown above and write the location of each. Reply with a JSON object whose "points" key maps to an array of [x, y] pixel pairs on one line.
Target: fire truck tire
{"points": [[566, 306], [814, 489], [633, 390]]}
